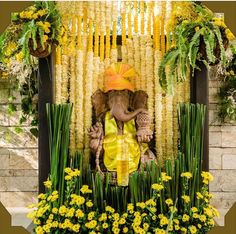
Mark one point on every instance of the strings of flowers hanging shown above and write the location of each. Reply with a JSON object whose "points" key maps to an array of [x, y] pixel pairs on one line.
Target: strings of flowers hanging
{"points": [[95, 27]]}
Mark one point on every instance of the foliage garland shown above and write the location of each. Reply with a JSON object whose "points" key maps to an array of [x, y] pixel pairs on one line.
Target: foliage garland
{"points": [[38, 26], [227, 92]]}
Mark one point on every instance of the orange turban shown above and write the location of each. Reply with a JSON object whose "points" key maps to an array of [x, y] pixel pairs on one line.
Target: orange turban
{"points": [[119, 76]]}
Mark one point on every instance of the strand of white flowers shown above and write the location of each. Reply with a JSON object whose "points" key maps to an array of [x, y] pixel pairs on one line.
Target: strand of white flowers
{"points": [[114, 14], [79, 89], [91, 9], [114, 55], [158, 105], [87, 101], [124, 53], [124, 45], [169, 126], [137, 61], [65, 78], [130, 51], [102, 16], [108, 12], [58, 75], [96, 72], [114, 52], [72, 100], [101, 77], [149, 76], [143, 62]]}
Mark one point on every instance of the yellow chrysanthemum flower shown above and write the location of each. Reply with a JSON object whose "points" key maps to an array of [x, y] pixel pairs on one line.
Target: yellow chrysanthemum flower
{"points": [[186, 198], [193, 229], [169, 202], [187, 175], [85, 189], [48, 183], [157, 187]]}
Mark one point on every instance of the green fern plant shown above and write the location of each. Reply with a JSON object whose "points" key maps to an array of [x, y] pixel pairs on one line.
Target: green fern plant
{"points": [[203, 40]]}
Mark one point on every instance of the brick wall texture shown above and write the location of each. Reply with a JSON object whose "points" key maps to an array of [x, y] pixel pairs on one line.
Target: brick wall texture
{"points": [[19, 155], [222, 152]]}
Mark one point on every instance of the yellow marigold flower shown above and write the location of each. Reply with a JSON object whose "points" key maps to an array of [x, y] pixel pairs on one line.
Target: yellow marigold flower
{"points": [[89, 204], [165, 177], [68, 169], [197, 29], [211, 222], [186, 198], [105, 225], [45, 38], [32, 214], [115, 224], [130, 207], [85, 189], [62, 210], [169, 202], [154, 217], [184, 230], [208, 212], [77, 172], [176, 221], [125, 230], [92, 224], [19, 56], [185, 218], [42, 12], [91, 215], [110, 209], [79, 213], [54, 210], [70, 212], [177, 227], [76, 228], [207, 177], [39, 230], [140, 204], [187, 175], [145, 226], [48, 183], [173, 209], [159, 231], [150, 202], [199, 226], [157, 187], [193, 229], [194, 209], [122, 221], [164, 221], [68, 177], [37, 221], [202, 218], [11, 47], [199, 195], [195, 216]]}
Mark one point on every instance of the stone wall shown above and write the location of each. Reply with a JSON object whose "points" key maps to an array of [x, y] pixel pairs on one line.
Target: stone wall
{"points": [[18, 158], [222, 155]]}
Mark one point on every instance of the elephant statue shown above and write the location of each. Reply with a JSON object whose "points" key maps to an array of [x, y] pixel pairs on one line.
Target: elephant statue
{"points": [[122, 123]]}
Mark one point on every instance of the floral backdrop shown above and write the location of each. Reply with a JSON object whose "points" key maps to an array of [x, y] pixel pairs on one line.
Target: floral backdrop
{"points": [[81, 61]]}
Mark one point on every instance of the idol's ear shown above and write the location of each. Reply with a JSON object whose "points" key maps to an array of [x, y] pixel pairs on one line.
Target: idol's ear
{"points": [[140, 98], [99, 102]]}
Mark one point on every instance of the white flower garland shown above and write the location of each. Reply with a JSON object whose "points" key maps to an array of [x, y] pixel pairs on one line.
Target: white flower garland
{"points": [[79, 89], [96, 72], [114, 55], [130, 51], [124, 54], [87, 100], [58, 74], [169, 127], [101, 77], [158, 106], [72, 100], [149, 76], [143, 62], [137, 60]]}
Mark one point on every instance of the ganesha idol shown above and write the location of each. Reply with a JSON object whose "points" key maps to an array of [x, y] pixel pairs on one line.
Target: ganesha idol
{"points": [[120, 136]]}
